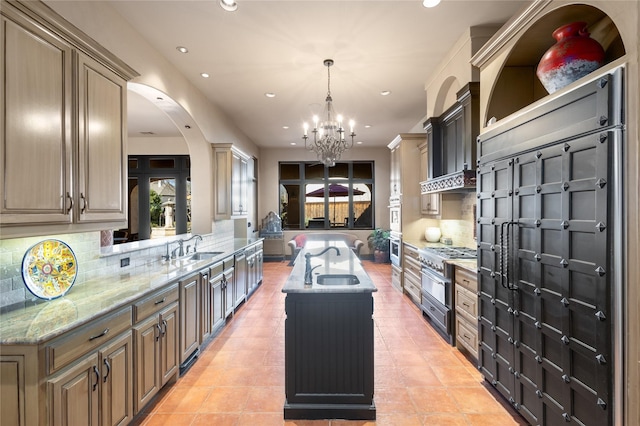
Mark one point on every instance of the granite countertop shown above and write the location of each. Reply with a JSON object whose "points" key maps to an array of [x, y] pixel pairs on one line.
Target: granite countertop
{"points": [[468, 264], [330, 263], [41, 320]]}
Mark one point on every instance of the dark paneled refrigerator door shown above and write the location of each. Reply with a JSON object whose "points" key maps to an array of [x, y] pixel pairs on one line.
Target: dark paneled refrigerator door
{"points": [[562, 305], [495, 327]]}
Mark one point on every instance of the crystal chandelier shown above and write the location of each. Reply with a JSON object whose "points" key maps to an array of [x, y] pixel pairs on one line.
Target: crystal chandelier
{"points": [[328, 135]]}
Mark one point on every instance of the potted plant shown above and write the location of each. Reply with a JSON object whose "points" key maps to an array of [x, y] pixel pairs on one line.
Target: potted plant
{"points": [[379, 245]]}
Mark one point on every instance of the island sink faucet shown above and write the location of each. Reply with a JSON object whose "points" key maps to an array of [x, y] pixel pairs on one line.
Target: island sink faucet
{"points": [[308, 279]]}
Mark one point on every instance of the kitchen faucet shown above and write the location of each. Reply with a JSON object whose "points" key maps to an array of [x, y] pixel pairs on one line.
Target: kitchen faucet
{"points": [[308, 279], [195, 245]]}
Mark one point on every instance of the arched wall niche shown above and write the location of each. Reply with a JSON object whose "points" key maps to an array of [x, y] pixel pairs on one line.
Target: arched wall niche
{"points": [[199, 153], [517, 84], [446, 95]]}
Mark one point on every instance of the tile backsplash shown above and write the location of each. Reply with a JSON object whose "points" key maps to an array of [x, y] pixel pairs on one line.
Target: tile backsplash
{"points": [[93, 260], [462, 231]]}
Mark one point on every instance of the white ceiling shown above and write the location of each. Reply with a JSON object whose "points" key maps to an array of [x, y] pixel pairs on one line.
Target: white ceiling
{"points": [[279, 47]]}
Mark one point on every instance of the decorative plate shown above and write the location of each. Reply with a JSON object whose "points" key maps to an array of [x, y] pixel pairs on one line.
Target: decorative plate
{"points": [[49, 269]]}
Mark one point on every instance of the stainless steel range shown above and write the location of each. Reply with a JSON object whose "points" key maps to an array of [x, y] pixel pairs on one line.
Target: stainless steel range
{"points": [[437, 289]]}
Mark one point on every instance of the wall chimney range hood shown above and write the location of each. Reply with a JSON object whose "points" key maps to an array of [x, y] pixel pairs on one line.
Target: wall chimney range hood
{"points": [[452, 144]]}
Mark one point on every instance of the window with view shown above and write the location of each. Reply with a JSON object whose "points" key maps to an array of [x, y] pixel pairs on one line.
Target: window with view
{"points": [[317, 197]]}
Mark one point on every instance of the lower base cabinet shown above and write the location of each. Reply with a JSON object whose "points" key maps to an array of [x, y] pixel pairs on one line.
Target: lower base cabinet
{"points": [[156, 345], [97, 390]]}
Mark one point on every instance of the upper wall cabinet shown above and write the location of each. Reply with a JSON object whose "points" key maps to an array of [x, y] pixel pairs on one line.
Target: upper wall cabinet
{"points": [[231, 174], [63, 126]]}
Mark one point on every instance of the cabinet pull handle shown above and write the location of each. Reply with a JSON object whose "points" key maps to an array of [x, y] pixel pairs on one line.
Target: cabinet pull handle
{"points": [[465, 281], [106, 364], [97, 373], [159, 332], [104, 333], [465, 304], [466, 337], [432, 308], [84, 203], [70, 198], [164, 327], [157, 302]]}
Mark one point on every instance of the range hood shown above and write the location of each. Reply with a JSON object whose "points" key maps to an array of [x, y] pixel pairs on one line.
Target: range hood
{"points": [[452, 144]]}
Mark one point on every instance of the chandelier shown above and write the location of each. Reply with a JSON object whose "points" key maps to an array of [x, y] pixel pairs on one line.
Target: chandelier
{"points": [[328, 135]]}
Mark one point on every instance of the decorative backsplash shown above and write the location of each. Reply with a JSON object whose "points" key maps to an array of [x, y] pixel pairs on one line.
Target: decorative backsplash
{"points": [[462, 231]]}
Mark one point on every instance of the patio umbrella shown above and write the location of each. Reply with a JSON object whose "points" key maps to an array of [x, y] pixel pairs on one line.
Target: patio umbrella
{"points": [[335, 190]]}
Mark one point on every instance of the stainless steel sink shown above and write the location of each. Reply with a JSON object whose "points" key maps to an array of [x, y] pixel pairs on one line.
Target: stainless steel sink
{"points": [[337, 279], [203, 255]]}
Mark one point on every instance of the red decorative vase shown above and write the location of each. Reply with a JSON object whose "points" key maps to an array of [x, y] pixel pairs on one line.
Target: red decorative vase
{"points": [[573, 56]]}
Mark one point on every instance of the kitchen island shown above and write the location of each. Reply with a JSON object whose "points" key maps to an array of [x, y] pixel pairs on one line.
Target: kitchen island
{"points": [[329, 336]]}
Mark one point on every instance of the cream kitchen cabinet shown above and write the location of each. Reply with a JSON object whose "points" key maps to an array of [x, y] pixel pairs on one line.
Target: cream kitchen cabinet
{"points": [[231, 174], [96, 390], [411, 273], [189, 317], [466, 303], [63, 126], [156, 343]]}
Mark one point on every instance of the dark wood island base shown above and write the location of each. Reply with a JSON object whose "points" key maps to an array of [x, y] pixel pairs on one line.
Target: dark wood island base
{"points": [[329, 356]]}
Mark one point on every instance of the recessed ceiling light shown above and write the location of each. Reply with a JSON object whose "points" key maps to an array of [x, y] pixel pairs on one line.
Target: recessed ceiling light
{"points": [[270, 95], [229, 5], [385, 92], [292, 143], [182, 49], [430, 3], [367, 126], [204, 75], [359, 143], [285, 127]]}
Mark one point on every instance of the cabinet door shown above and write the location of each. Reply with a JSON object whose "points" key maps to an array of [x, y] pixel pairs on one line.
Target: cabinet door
{"points": [[228, 288], [147, 357], [36, 151], [101, 151], [430, 204], [239, 185], [189, 317], [205, 307], [74, 394], [240, 282], [117, 381], [12, 397], [222, 161], [217, 302], [169, 330]]}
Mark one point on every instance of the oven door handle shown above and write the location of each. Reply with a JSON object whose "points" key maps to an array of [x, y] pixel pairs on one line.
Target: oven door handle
{"points": [[433, 277]]}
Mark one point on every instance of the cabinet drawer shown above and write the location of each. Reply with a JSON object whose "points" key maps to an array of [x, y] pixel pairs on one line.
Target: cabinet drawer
{"points": [[412, 288], [216, 269], [434, 311], [150, 304], [466, 336], [412, 266], [229, 263], [466, 279], [75, 343], [467, 302]]}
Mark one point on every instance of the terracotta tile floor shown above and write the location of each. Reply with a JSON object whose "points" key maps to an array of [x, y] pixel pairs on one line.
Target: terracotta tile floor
{"points": [[239, 377]]}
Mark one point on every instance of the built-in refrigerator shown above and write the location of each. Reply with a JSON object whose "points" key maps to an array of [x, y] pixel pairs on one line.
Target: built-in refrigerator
{"points": [[550, 260]]}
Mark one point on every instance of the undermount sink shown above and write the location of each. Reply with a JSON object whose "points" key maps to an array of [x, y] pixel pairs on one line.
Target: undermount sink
{"points": [[203, 255], [337, 279]]}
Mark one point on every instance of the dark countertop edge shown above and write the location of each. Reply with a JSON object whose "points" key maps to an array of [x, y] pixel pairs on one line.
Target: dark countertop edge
{"points": [[176, 275]]}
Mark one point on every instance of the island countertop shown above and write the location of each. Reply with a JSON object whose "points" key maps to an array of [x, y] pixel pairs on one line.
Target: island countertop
{"points": [[330, 263]]}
